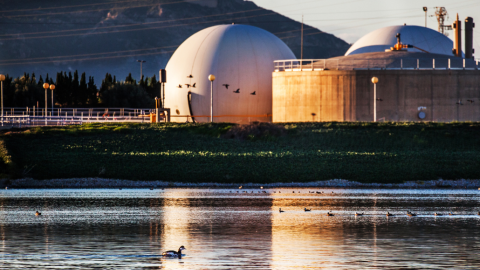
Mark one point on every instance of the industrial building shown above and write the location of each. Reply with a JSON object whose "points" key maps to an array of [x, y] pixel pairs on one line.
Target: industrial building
{"points": [[419, 79], [422, 76]]}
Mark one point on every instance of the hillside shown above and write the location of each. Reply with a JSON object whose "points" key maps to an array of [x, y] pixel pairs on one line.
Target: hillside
{"points": [[109, 36]]}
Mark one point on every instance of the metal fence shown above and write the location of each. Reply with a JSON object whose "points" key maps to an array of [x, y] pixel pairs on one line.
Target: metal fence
{"points": [[32, 116], [376, 64]]}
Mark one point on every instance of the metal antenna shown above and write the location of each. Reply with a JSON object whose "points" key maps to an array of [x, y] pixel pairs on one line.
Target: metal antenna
{"points": [[301, 50]]}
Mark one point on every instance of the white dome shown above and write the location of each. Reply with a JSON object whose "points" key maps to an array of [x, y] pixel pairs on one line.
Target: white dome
{"points": [[238, 55], [421, 37]]}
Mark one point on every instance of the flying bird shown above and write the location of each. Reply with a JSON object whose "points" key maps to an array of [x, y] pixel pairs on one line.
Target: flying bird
{"points": [[253, 94], [190, 76], [237, 91], [179, 86], [459, 102], [379, 99], [226, 85], [188, 85], [194, 85], [471, 101]]}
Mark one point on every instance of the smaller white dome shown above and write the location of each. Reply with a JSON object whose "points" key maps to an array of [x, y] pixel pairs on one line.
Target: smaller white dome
{"points": [[421, 37]]}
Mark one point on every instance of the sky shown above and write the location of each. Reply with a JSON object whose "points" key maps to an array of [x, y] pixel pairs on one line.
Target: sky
{"points": [[352, 19]]}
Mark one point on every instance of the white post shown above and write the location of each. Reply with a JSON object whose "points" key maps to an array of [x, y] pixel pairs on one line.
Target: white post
{"points": [[45, 106], [449, 65], [211, 101], [434, 63], [418, 63], [401, 64], [2, 101], [374, 102], [463, 63]]}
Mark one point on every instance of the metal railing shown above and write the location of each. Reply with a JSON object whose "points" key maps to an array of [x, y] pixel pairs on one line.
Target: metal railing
{"points": [[32, 116], [376, 64]]}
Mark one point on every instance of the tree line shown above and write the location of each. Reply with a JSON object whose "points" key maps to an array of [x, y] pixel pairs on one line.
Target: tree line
{"points": [[72, 90]]}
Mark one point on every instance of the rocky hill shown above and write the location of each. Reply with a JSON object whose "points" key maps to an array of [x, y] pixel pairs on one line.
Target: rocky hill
{"points": [[100, 36]]}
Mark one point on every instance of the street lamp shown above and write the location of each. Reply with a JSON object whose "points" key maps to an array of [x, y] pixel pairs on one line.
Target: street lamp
{"points": [[425, 9], [211, 78], [2, 78], [52, 87], [141, 62], [374, 81], [46, 86]]}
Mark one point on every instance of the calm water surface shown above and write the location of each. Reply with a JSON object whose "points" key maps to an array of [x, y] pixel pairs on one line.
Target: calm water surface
{"points": [[223, 229]]}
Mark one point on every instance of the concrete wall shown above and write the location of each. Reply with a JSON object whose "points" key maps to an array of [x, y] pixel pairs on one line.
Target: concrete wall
{"points": [[301, 96]]}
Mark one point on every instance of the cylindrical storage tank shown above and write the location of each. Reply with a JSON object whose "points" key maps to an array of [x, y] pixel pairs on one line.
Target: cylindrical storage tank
{"points": [[469, 25], [241, 59]]}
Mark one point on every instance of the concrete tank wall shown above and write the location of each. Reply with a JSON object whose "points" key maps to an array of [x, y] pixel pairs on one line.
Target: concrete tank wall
{"points": [[301, 96]]}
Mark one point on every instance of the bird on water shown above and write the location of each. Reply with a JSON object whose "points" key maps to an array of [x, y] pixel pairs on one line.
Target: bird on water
{"points": [[38, 213], [358, 214], [330, 214], [173, 253], [389, 215], [307, 210], [280, 210], [438, 214], [411, 214]]}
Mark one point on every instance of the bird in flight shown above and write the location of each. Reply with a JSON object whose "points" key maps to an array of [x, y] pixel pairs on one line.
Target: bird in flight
{"points": [[190, 76], [237, 91], [179, 86], [254, 93], [226, 85], [194, 85], [188, 85]]}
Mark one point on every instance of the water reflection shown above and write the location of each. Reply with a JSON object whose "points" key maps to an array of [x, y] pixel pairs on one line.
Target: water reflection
{"points": [[223, 229]]}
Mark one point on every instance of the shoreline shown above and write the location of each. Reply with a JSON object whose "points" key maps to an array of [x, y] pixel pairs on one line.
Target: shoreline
{"points": [[93, 183]]}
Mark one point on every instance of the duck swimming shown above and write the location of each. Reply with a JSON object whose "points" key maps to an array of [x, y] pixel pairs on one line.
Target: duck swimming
{"points": [[38, 213], [280, 210], [389, 215], [411, 214], [307, 210], [329, 214], [438, 214], [358, 214], [173, 253]]}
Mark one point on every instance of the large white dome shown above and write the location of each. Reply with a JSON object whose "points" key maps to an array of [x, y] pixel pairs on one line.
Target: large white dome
{"points": [[238, 55], [421, 37]]}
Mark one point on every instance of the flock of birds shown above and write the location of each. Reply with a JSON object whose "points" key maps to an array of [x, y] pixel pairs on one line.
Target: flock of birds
{"points": [[194, 85], [388, 214]]}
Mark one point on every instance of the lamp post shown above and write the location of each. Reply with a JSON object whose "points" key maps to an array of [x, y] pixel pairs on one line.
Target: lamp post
{"points": [[211, 78], [46, 86], [374, 81], [425, 9], [141, 62], [52, 87], [2, 78]]}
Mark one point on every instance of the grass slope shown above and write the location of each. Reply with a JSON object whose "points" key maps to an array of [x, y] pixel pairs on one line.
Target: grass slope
{"points": [[366, 152]]}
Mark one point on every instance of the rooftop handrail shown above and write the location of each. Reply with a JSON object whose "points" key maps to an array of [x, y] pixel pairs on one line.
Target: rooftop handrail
{"points": [[453, 63]]}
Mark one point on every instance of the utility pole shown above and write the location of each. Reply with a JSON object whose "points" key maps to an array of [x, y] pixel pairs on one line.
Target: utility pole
{"points": [[301, 43], [141, 62]]}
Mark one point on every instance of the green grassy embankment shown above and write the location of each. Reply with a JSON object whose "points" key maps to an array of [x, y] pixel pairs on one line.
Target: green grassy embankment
{"points": [[366, 152]]}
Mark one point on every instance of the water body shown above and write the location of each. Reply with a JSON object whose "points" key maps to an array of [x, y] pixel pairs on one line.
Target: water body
{"points": [[223, 229]]}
